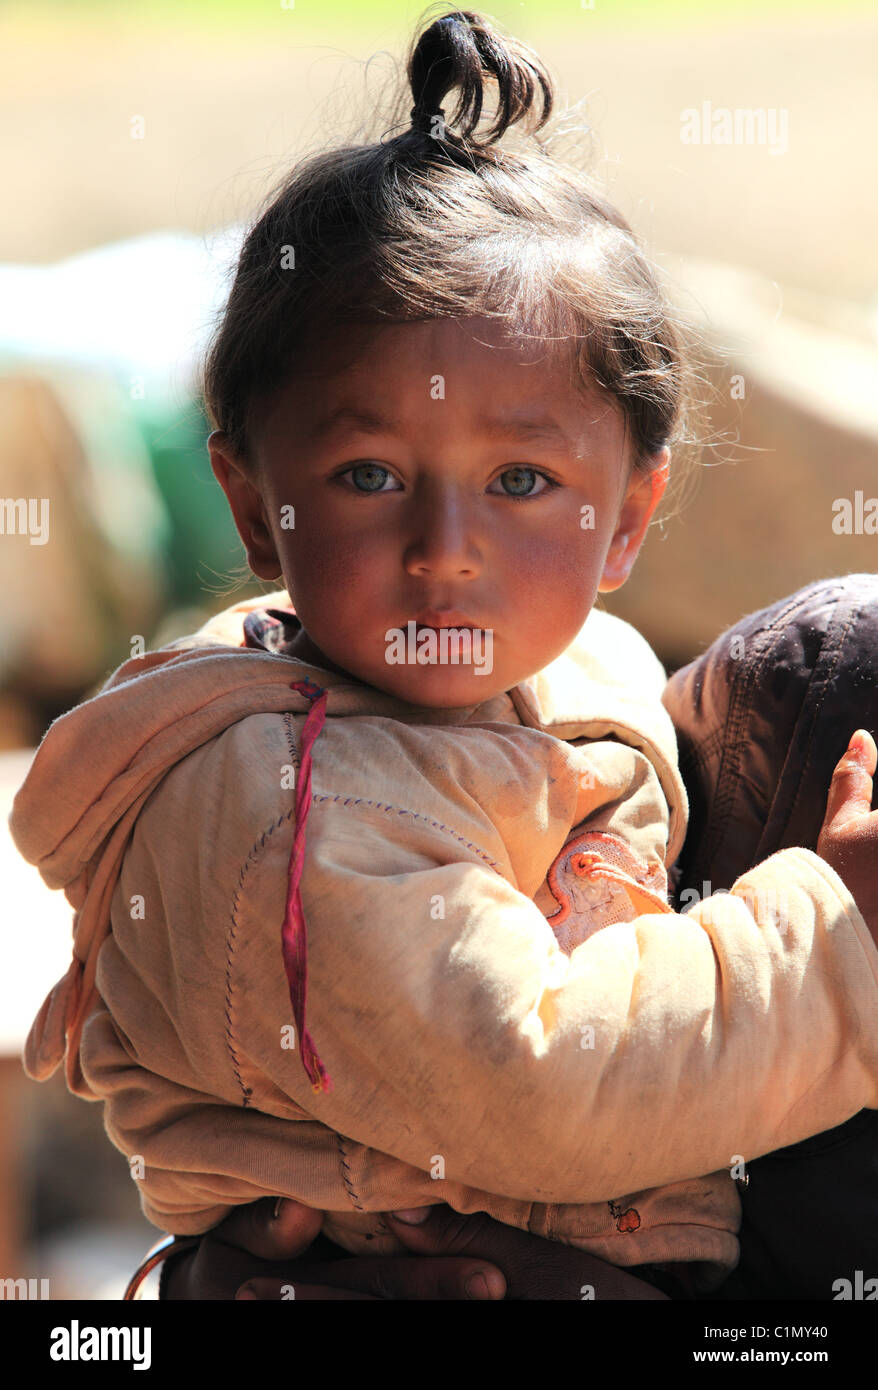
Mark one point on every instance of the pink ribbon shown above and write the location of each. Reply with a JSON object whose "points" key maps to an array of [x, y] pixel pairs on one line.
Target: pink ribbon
{"points": [[293, 933]]}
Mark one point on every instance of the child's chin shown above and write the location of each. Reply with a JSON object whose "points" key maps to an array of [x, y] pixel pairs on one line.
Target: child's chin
{"points": [[441, 687]]}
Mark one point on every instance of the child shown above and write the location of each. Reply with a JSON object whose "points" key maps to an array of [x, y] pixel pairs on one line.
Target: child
{"points": [[444, 391]]}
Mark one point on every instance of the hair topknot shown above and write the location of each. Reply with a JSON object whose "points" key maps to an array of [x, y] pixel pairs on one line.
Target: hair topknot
{"points": [[461, 50], [433, 223]]}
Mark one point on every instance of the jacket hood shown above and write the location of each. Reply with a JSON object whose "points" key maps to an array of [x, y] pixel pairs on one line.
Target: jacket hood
{"points": [[97, 764]]}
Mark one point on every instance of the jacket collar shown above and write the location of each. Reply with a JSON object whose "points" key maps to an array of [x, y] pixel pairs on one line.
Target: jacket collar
{"points": [[607, 684]]}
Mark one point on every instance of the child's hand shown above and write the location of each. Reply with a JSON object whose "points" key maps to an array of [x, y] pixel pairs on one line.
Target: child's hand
{"points": [[849, 838]]}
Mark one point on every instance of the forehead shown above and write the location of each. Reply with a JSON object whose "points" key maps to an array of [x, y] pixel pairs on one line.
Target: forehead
{"points": [[484, 371]]}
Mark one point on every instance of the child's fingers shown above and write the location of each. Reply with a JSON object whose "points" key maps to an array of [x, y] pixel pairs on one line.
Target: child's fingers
{"points": [[256, 1229], [850, 791]]}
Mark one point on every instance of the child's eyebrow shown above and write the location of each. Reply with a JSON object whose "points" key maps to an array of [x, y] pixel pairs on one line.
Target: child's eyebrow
{"points": [[543, 429]]}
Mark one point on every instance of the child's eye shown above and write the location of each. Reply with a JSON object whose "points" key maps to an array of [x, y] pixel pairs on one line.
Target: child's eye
{"points": [[368, 477], [519, 482]]}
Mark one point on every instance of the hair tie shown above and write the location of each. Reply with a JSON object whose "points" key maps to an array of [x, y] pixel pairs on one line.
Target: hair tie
{"points": [[422, 120]]}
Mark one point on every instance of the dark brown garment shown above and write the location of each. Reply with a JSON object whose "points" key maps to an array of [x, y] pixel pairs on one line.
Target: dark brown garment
{"points": [[762, 718]]}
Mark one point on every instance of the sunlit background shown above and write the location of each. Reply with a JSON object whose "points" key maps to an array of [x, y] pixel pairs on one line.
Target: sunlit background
{"points": [[136, 141]]}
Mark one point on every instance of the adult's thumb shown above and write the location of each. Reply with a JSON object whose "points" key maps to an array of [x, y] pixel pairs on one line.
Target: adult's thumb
{"points": [[439, 1229], [850, 791], [271, 1229]]}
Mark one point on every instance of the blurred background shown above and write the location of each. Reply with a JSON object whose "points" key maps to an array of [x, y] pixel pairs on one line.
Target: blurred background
{"points": [[135, 143]]}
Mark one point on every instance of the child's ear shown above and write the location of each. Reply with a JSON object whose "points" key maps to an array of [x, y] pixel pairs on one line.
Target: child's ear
{"points": [[643, 495], [247, 506]]}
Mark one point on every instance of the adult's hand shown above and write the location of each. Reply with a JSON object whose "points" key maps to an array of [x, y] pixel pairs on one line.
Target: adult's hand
{"points": [[449, 1246], [848, 839], [534, 1268], [252, 1247]]}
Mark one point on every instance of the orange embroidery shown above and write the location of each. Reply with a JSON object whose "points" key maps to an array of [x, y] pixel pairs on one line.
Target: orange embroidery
{"points": [[626, 1221], [598, 880]]}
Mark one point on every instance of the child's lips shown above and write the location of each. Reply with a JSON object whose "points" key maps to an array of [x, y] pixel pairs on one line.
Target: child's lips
{"points": [[449, 618]]}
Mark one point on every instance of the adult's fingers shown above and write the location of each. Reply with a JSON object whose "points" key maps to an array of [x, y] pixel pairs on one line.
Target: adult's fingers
{"points": [[215, 1269], [387, 1277], [278, 1290], [272, 1228], [534, 1268]]}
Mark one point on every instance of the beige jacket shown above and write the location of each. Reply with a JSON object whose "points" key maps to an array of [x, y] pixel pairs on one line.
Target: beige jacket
{"points": [[512, 1018]]}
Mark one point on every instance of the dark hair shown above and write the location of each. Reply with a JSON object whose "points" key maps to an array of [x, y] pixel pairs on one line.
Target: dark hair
{"points": [[435, 223]]}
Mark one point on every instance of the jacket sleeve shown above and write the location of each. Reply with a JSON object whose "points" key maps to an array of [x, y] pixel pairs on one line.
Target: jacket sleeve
{"points": [[458, 1035], [454, 1028]]}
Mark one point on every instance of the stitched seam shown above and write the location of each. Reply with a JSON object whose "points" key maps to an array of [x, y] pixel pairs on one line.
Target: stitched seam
{"points": [[550, 1221], [253, 853], [292, 743], [730, 757], [700, 754], [415, 815], [824, 679], [246, 1091], [819, 678], [380, 805], [728, 774], [346, 1175]]}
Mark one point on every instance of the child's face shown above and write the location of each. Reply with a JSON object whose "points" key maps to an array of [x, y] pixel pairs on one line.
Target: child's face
{"points": [[454, 512]]}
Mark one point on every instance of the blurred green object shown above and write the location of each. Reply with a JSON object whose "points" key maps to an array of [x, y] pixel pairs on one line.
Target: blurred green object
{"points": [[329, 16], [316, 20], [202, 548]]}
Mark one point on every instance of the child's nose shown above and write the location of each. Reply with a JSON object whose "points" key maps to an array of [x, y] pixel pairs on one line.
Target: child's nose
{"points": [[442, 540]]}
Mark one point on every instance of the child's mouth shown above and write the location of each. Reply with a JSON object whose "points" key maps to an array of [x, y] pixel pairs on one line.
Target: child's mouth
{"points": [[439, 620]]}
